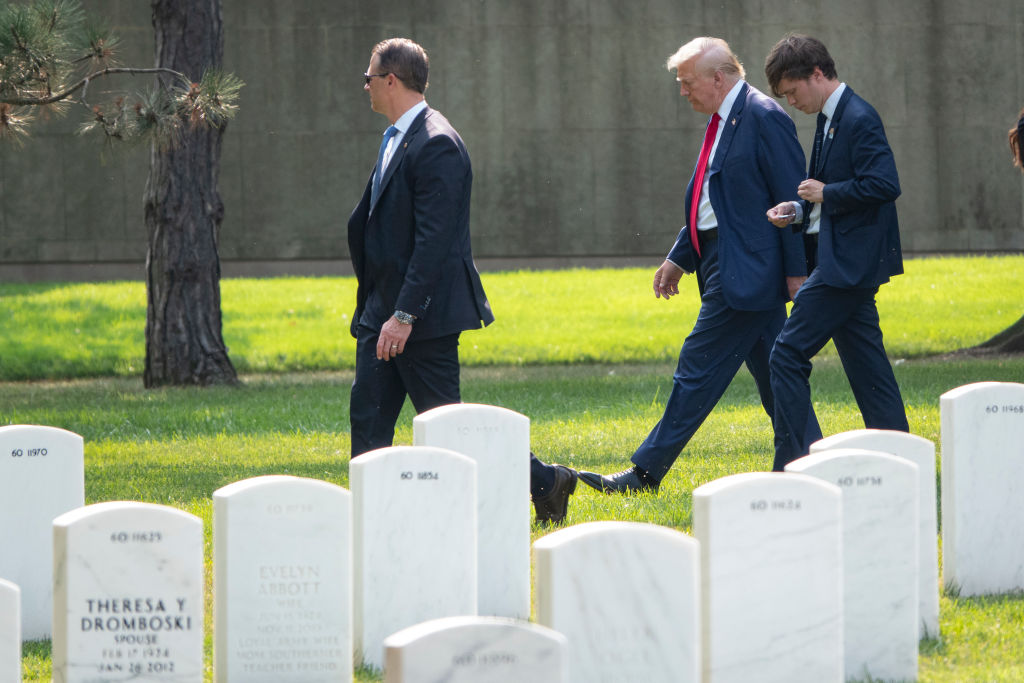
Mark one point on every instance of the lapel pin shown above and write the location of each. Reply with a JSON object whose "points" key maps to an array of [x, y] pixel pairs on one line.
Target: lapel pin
{"points": [[831, 132], [734, 122], [404, 145]]}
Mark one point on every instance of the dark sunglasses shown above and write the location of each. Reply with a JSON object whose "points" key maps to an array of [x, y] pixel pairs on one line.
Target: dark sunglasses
{"points": [[369, 77]]}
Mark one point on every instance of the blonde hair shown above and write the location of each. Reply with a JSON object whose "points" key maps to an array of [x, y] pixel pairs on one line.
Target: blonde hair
{"points": [[714, 54]]}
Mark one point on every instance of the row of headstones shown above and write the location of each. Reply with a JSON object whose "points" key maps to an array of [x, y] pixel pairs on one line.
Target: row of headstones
{"points": [[128, 580], [971, 418]]}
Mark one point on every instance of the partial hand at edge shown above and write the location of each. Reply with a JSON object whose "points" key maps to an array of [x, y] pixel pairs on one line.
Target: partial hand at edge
{"points": [[793, 284]]}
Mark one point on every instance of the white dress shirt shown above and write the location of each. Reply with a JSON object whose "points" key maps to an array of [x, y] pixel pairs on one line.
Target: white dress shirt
{"points": [[706, 219], [829, 109], [402, 124]]}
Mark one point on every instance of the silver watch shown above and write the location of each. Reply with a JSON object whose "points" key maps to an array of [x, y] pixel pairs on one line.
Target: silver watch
{"points": [[405, 318]]}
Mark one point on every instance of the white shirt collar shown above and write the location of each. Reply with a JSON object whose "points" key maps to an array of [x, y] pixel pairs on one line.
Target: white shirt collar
{"points": [[405, 120], [829, 108], [402, 124], [730, 99]]}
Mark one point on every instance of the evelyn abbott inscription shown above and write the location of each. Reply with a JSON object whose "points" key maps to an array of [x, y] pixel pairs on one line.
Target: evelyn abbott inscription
{"points": [[282, 592], [290, 634]]}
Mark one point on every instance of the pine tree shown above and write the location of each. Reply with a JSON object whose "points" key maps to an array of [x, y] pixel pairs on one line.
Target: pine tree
{"points": [[50, 53]]}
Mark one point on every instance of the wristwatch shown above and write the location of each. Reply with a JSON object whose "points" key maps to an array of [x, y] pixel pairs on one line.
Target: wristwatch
{"points": [[405, 318]]}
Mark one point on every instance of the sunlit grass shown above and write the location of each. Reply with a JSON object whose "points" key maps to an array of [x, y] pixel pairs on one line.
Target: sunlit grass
{"points": [[543, 317]]}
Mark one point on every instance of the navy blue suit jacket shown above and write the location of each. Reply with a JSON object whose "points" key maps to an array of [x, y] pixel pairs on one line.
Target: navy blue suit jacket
{"points": [[859, 238], [411, 251], [758, 163]]}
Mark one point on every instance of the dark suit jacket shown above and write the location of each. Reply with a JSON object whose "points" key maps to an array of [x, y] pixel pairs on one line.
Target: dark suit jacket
{"points": [[859, 238], [758, 163], [411, 251]]}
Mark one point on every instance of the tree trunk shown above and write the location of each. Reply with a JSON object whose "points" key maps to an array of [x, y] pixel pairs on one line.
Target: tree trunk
{"points": [[183, 208], [1010, 340]]}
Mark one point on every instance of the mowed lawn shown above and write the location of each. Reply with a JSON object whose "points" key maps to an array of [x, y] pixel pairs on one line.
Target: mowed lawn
{"points": [[587, 355], [59, 331]]}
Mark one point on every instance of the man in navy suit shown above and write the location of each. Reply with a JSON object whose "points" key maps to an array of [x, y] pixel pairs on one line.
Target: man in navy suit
{"points": [[418, 287], [746, 269], [848, 209]]}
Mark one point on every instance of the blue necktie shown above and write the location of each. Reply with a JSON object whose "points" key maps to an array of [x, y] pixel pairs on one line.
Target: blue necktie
{"points": [[378, 171]]}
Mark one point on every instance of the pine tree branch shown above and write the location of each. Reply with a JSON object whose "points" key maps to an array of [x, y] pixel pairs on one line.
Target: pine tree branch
{"points": [[39, 101]]}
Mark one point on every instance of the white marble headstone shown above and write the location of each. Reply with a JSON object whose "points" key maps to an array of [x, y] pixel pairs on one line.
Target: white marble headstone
{"points": [[476, 650], [771, 568], [127, 594], [921, 452], [498, 440], [626, 596], [414, 531], [282, 581], [10, 632], [42, 475], [982, 468], [880, 558]]}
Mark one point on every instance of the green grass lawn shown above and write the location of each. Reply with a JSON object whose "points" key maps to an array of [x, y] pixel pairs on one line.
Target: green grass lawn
{"points": [[176, 446], [58, 331]]}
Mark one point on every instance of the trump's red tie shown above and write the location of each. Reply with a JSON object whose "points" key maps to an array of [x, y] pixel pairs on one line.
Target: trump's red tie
{"points": [[698, 177]]}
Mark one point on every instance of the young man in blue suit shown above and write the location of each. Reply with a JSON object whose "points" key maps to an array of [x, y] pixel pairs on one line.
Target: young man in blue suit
{"points": [[746, 269], [847, 206], [418, 287]]}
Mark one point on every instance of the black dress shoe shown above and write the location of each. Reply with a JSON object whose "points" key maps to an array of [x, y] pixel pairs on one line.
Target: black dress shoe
{"points": [[633, 480], [552, 506]]}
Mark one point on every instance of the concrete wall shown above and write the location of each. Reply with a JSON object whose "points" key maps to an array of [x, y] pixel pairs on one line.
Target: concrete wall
{"points": [[580, 142]]}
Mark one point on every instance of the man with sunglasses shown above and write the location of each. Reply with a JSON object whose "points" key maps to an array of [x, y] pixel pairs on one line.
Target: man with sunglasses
{"points": [[418, 287]]}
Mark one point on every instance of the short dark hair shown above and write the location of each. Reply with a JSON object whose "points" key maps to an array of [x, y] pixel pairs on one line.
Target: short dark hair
{"points": [[406, 60], [795, 58]]}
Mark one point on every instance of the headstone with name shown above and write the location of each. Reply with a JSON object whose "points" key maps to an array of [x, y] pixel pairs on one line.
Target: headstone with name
{"points": [[282, 581], [476, 649], [127, 594], [498, 440], [771, 568], [982, 467], [10, 632], [414, 532], [921, 452], [42, 475], [626, 596], [880, 558]]}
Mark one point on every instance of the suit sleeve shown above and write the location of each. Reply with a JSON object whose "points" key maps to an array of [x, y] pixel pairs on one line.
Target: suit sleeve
{"points": [[874, 180], [781, 161], [681, 253], [441, 177]]}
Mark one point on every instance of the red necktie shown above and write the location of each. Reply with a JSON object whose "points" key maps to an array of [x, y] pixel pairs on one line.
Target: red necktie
{"points": [[698, 177]]}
